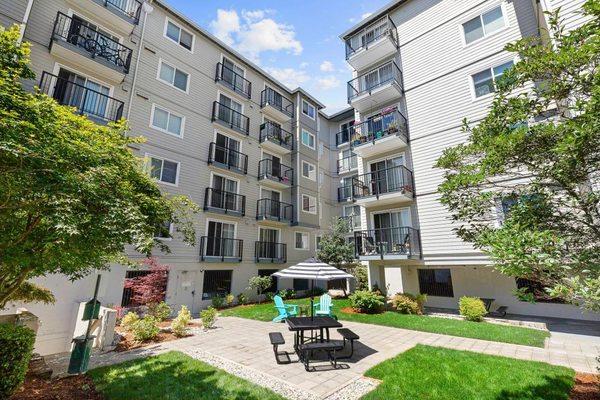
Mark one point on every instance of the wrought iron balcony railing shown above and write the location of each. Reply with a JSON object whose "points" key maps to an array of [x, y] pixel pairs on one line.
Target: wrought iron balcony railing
{"points": [[277, 101], [274, 210], [379, 126], [371, 34], [218, 248], [367, 82], [130, 8], [225, 202], [344, 193], [267, 169], [398, 241], [231, 118], [270, 252], [233, 80], [227, 158], [274, 133], [388, 180]]}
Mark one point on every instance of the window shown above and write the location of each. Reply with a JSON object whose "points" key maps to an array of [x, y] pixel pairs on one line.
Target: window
{"points": [[309, 171], [173, 76], [537, 291], [308, 109], [352, 215], [166, 121], [308, 139], [127, 298], [309, 204], [179, 35], [318, 242], [301, 241], [483, 25], [216, 283], [300, 284], [436, 282], [164, 170], [163, 231], [484, 82]]}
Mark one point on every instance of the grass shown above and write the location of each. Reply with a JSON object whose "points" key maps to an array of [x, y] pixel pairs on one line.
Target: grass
{"points": [[174, 376], [425, 372], [453, 327]]}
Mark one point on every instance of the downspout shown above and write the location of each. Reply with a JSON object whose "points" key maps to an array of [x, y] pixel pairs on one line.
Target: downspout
{"points": [[147, 9], [25, 20]]}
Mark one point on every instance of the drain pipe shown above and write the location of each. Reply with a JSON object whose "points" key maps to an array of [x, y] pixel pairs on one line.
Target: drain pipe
{"points": [[147, 9], [25, 20]]}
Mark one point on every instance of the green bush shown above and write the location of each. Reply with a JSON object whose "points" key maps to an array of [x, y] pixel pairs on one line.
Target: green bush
{"points": [[366, 301], [229, 298], [145, 329], [179, 324], [160, 311], [472, 308], [242, 298], [208, 317], [421, 299], [16, 347], [405, 303], [185, 314], [218, 301], [287, 294], [269, 296], [129, 319]]}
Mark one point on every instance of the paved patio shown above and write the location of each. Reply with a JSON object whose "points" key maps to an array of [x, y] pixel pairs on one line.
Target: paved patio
{"points": [[244, 345]]}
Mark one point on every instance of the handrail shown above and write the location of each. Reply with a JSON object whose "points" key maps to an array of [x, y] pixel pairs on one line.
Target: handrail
{"points": [[225, 201], [92, 41], [132, 8], [365, 83], [275, 252], [274, 209], [227, 157], [218, 247], [388, 180], [276, 134], [234, 80], [379, 126], [273, 98], [230, 117], [282, 173], [365, 37], [87, 101], [348, 163], [344, 193], [402, 240]]}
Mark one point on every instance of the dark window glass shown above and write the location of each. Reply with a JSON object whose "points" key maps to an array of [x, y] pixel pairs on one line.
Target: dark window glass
{"points": [[436, 282], [300, 284], [216, 283]]}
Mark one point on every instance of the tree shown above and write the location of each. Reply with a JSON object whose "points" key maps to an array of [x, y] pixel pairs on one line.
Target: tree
{"points": [[338, 252], [72, 193], [150, 288], [534, 161], [260, 284]]}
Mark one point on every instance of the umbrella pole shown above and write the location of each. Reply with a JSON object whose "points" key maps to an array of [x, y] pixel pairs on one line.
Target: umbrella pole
{"points": [[312, 299]]}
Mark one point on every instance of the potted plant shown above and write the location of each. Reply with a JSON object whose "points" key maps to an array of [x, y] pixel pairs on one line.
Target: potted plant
{"points": [[393, 127]]}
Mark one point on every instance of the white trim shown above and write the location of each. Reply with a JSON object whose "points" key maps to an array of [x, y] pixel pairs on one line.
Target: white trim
{"points": [[316, 245], [309, 105], [260, 192], [58, 66], [302, 203], [227, 94], [279, 237], [149, 156], [389, 211], [311, 134], [70, 12], [307, 241], [386, 158], [222, 221], [229, 136], [302, 162], [212, 175], [158, 78], [489, 8], [151, 125], [167, 20], [489, 67], [167, 239], [223, 56]]}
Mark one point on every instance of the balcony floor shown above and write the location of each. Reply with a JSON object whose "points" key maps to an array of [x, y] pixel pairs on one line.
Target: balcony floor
{"points": [[380, 146], [113, 17], [376, 51], [384, 199], [274, 182], [274, 147], [376, 97], [275, 113]]}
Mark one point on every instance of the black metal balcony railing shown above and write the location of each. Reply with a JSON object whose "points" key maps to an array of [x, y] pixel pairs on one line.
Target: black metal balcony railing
{"points": [[231, 118], [270, 252], [227, 158], [342, 136], [371, 34], [389, 180], [234, 80], [274, 210], [365, 83], [96, 44], [131, 8], [267, 169], [347, 163], [226, 202], [353, 221], [405, 241], [277, 101], [274, 133], [378, 127], [344, 193], [215, 248], [88, 102]]}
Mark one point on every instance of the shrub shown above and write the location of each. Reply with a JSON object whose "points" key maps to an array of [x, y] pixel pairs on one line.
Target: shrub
{"points": [[129, 319], [208, 316], [269, 296], [16, 347], [179, 324], [421, 300], [287, 294], [316, 292], [218, 301], [242, 298], [229, 298], [406, 303], [160, 311], [472, 308], [260, 284], [366, 301], [362, 278], [185, 314], [145, 329]]}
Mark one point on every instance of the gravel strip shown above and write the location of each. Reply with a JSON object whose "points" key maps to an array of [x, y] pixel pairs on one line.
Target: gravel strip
{"points": [[355, 389]]}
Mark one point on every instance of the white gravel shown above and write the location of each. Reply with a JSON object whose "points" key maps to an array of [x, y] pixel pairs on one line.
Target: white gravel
{"points": [[355, 389]]}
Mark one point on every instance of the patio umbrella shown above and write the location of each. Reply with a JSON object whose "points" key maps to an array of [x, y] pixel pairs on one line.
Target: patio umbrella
{"points": [[313, 270]]}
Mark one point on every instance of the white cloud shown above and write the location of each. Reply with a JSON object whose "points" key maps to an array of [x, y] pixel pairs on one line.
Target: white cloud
{"points": [[326, 66], [303, 64], [256, 34], [365, 15], [290, 77], [328, 82]]}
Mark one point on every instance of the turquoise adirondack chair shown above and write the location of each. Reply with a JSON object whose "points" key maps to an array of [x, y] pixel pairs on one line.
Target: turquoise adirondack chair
{"points": [[285, 310], [324, 307]]}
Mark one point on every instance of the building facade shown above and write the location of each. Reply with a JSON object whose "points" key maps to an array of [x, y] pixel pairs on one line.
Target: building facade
{"points": [[268, 167]]}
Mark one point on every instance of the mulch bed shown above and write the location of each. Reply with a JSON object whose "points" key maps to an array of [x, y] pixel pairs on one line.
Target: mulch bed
{"points": [[127, 342], [78, 387], [587, 387]]}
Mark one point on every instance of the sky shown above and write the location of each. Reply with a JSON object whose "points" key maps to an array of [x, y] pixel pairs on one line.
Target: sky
{"points": [[295, 41]]}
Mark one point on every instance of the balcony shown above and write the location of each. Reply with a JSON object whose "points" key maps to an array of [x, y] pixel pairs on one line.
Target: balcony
{"points": [[270, 252], [77, 42], [376, 42], [399, 243], [227, 159], [353, 222], [275, 174], [96, 106], [222, 202], [218, 249], [378, 86], [274, 138], [380, 134], [233, 81], [347, 164], [273, 211], [122, 15], [384, 187], [344, 194], [275, 105], [231, 119]]}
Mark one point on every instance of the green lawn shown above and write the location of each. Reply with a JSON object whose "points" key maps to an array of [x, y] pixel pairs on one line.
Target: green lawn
{"points": [[475, 330], [174, 376], [425, 372]]}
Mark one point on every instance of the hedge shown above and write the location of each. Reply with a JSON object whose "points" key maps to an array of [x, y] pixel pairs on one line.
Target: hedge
{"points": [[16, 347]]}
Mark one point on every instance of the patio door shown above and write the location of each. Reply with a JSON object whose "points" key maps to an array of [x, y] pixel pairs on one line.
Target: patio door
{"points": [[384, 177], [219, 243], [269, 239], [233, 74], [227, 151], [93, 101], [273, 207], [224, 193], [275, 165], [232, 112], [390, 230]]}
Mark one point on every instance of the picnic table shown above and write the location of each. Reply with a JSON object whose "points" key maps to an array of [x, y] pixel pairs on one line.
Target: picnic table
{"points": [[299, 325]]}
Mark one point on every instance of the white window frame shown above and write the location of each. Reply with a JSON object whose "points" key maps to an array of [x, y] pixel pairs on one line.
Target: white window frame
{"points": [[222, 221], [231, 178], [489, 68], [172, 84], [309, 107], [171, 226], [167, 20], [154, 106], [310, 134], [317, 237], [149, 158], [307, 248], [302, 196], [314, 171], [461, 27], [279, 236]]}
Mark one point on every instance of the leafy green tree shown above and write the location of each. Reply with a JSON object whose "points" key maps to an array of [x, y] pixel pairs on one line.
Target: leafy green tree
{"points": [[72, 193], [260, 284], [525, 187]]}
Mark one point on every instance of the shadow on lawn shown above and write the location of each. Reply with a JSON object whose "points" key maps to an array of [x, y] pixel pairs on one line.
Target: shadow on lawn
{"points": [[555, 388]]}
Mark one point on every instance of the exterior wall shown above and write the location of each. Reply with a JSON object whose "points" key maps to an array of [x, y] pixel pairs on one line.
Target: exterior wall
{"points": [[12, 12], [570, 12]]}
